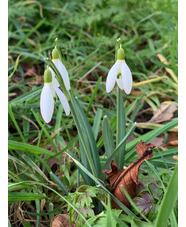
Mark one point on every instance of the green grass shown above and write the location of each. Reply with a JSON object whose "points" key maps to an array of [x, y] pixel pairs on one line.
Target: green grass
{"points": [[87, 32]]}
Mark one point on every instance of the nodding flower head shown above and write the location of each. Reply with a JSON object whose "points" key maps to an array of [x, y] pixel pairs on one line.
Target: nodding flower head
{"points": [[119, 73], [61, 68], [49, 91]]}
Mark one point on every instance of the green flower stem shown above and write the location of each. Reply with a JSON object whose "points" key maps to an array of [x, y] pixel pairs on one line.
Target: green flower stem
{"points": [[120, 128], [59, 78], [121, 122]]}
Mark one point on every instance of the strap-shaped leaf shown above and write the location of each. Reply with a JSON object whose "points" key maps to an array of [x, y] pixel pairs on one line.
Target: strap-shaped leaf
{"points": [[107, 137], [86, 136]]}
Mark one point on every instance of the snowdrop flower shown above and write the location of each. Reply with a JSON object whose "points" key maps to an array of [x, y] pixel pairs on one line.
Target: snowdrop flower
{"points": [[48, 93], [61, 68], [119, 73]]}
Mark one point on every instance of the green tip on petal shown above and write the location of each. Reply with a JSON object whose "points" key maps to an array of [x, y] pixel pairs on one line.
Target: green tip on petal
{"points": [[55, 53], [120, 53], [47, 76]]}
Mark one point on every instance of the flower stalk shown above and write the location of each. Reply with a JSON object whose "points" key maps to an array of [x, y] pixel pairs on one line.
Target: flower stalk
{"points": [[120, 128], [121, 121]]}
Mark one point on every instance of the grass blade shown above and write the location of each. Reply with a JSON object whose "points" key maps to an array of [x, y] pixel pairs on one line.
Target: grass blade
{"points": [[58, 181], [94, 94], [45, 131], [29, 33], [129, 108], [15, 67], [168, 202], [23, 196], [87, 179], [33, 165], [9, 224], [37, 202], [15, 122], [15, 145], [15, 187], [109, 218]]}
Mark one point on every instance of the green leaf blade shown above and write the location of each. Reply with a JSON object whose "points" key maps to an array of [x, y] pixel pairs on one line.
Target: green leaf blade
{"points": [[168, 201]]}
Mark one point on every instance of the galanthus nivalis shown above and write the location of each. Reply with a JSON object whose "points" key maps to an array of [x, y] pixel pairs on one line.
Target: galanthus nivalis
{"points": [[119, 73], [48, 93], [61, 68]]}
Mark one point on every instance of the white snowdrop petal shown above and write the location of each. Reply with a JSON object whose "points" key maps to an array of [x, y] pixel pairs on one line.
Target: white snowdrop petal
{"points": [[120, 83], [126, 77], [54, 80], [63, 100], [53, 91], [63, 72], [111, 78], [47, 102]]}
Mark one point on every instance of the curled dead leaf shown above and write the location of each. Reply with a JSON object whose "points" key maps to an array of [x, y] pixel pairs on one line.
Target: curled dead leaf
{"points": [[61, 220], [129, 177]]}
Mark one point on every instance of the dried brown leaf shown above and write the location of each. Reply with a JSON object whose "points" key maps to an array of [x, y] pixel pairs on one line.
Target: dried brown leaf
{"points": [[129, 177], [164, 113], [172, 139], [173, 143], [158, 141], [61, 220], [31, 72]]}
